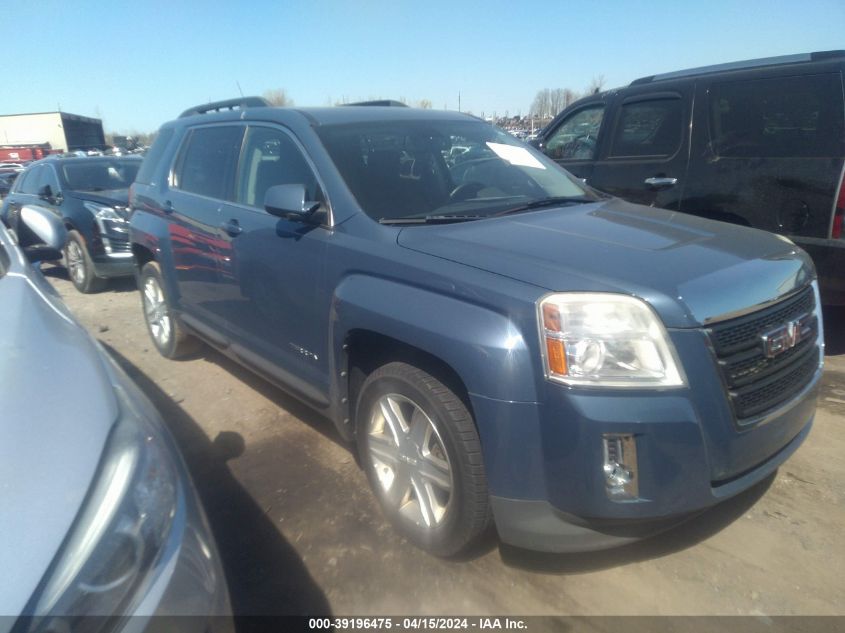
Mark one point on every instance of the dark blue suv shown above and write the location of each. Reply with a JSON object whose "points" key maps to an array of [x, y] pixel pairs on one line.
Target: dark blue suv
{"points": [[504, 344]]}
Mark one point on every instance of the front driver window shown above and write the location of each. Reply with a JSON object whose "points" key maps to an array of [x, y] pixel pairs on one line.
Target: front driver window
{"points": [[576, 138], [270, 157]]}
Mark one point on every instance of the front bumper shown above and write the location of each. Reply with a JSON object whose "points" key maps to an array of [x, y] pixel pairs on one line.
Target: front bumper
{"points": [[538, 525], [109, 266], [544, 461]]}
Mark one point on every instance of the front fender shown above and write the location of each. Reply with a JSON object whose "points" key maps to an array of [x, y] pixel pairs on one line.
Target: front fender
{"points": [[152, 233], [484, 347]]}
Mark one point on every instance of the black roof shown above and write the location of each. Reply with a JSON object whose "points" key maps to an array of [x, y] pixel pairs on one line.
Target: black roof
{"points": [[780, 60]]}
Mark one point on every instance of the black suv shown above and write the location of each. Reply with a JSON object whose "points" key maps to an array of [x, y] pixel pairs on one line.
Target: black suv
{"points": [[759, 143], [90, 195]]}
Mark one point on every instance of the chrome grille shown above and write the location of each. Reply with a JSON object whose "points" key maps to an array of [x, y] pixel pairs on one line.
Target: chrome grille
{"points": [[756, 383]]}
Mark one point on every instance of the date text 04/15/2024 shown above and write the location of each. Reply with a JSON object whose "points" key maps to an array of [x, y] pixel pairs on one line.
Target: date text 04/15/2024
{"points": [[417, 623]]}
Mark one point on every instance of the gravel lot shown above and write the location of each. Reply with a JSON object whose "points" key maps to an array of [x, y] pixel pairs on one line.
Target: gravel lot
{"points": [[300, 533]]}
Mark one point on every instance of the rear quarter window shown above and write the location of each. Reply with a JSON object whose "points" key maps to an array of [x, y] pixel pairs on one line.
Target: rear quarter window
{"points": [[153, 157], [778, 117]]}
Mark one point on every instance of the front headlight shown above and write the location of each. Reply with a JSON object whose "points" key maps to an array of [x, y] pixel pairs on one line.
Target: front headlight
{"points": [[606, 340], [116, 540], [103, 212]]}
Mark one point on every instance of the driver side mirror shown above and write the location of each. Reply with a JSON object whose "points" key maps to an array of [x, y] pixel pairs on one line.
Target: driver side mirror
{"points": [[46, 227], [288, 201]]}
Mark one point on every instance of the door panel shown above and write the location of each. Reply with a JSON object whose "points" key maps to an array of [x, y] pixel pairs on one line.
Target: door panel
{"points": [[644, 159], [272, 293], [203, 180]]}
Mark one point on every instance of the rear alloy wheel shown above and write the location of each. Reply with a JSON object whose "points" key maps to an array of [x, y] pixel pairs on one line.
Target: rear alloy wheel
{"points": [[79, 266], [166, 332], [421, 451]]}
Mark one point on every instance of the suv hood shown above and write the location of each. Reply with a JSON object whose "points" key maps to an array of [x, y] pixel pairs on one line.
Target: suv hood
{"points": [[690, 269], [119, 197], [58, 408]]}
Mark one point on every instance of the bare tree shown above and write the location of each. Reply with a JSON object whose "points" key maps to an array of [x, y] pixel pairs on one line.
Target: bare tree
{"points": [[424, 103], [596, 85], [278, 97], [541, 105], [547, 102]]}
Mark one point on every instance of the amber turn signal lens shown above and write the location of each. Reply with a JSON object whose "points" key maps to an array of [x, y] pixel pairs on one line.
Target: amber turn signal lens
{"points": [[556, 354]]}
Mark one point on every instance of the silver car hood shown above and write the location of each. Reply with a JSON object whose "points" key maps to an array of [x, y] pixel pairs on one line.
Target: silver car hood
{"points": [[56, 410]]}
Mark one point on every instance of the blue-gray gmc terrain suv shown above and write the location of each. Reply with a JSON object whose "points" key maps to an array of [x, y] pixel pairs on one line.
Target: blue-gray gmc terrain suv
{"points": [[503, 343]]}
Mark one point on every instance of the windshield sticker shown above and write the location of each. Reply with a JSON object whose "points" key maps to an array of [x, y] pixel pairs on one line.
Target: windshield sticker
{"points": [[515, 155]]}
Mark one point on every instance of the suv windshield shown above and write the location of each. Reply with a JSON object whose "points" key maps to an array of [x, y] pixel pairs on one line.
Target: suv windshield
{"points": [[100, 175], [402, 170]]}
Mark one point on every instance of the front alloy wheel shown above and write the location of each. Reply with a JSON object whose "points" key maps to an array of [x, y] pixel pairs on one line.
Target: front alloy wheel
{"points": [[410, 461], [419, 446], [80, 267]]}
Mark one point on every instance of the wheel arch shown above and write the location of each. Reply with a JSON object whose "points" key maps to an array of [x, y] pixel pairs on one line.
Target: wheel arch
{"points": [[470, 348], [367, 350]]}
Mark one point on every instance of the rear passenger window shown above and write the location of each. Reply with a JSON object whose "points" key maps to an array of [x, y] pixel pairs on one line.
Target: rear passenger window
{"points": [[207, 161], [648, 128], [270, 157], [779, 117]]}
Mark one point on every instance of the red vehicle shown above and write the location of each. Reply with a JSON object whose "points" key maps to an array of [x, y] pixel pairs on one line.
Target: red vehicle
{"points": [[22, 153]]}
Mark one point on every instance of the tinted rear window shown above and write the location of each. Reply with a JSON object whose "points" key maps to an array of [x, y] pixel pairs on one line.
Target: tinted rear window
{"points": [[153, 156], [778, 117]]}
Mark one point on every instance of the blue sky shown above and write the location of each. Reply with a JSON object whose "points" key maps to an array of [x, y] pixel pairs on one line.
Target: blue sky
{"points": [[138, 63]]}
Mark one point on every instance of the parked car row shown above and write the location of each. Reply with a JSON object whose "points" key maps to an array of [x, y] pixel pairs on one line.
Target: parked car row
{"points": [[504, 344]]}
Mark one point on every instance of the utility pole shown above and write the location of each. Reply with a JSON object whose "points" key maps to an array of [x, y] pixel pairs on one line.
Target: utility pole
{"points": [[459, 100]]}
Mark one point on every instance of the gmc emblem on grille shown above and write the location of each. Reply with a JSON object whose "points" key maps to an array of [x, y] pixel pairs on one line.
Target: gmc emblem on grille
{"points": [[786, 336]]}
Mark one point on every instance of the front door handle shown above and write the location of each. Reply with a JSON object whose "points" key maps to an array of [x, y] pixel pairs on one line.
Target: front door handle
{"points": [[232, 228], [660, 182]]}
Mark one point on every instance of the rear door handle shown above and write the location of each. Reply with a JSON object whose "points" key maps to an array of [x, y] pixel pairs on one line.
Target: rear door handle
{"points": [[661, 182], [232, 228]]}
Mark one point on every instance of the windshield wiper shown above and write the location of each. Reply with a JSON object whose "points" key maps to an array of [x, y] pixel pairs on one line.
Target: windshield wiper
{"points": [[554, 201], [432, 219]]}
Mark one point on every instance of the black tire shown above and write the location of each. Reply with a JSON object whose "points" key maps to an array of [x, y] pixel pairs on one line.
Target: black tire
{"points": [[177, 342], [80, 267], [465, 513]]}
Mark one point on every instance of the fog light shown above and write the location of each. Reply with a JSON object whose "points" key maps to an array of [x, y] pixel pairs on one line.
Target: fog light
{"points": [[620, 467]]}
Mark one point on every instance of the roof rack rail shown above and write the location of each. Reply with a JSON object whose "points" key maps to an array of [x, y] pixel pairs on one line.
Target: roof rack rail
{"points": [[742, 65], [229, 104], [379, 102]]}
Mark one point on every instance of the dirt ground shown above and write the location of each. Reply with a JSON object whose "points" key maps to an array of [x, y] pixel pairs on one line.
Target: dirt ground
{"points": [[300, 533]]}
